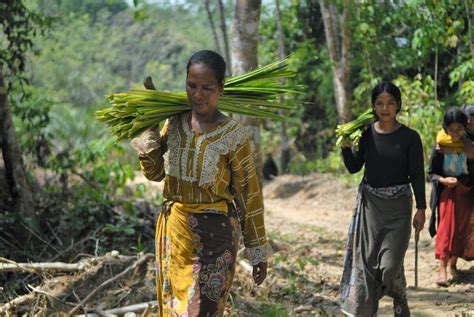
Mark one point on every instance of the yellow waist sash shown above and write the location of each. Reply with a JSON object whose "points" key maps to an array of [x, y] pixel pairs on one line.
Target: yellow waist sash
{"points": [[220, 206]]}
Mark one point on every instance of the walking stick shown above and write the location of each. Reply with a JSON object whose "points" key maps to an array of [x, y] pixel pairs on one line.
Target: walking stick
{"points": [[417, 237]]}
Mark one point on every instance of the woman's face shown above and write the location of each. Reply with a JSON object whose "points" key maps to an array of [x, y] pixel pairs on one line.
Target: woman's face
{"points": [[386, 107], [456, 131], [203, 89], [470, 123]]}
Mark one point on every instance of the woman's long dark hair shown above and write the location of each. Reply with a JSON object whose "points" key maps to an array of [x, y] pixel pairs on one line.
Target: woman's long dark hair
{"points": [[389, 87], [452, 115]]}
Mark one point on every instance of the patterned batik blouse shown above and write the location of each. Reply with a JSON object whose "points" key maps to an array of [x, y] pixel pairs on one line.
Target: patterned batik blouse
{"points": [[204, 172]]}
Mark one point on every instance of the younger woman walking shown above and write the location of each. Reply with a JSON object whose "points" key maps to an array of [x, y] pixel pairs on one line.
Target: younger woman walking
{"points": [[380, 230]]}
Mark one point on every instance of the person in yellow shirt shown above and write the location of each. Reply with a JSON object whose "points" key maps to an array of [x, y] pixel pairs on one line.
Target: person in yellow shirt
{"points": [[451, 197], [211, 191]]}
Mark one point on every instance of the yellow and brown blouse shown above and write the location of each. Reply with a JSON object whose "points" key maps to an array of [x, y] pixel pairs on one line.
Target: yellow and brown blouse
{"points": [[204, 172]]}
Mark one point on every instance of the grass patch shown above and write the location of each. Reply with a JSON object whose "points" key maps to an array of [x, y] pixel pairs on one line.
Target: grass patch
{"points": [[272, 310]]}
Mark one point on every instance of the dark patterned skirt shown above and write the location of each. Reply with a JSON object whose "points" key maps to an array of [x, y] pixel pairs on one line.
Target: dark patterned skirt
{"points": [[195, 254], [377, 241]]}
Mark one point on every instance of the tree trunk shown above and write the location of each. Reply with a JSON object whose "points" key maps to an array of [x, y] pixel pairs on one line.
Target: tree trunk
{"points": [[338, 48], [213, 27], [436, 73], [285, 146], [244, 58], [245, 35], [19, 189], [469, 26], [224, 35]]}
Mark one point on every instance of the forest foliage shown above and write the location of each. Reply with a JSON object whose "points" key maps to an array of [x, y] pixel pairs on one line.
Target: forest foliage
{"points": [[94, 48]]}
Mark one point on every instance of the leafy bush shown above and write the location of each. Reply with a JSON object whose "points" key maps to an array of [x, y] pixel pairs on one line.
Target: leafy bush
{"points": [[421, 110], [333, 164]]}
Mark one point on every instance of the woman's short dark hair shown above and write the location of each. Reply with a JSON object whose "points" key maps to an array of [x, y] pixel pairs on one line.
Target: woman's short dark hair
{"points": [[469, 110], [210, 59], [452, 115], [392, 89]]}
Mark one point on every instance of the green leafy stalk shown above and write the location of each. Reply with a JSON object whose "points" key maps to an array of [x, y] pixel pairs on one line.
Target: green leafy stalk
{"points": [[255, 93], [350, 133]]}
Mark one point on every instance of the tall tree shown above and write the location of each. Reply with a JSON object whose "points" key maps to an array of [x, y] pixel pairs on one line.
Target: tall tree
{"points": [[211, 23], [19, 189], [244, 58], [285, 146], [336, 24], [224, 33], [18, 28]]}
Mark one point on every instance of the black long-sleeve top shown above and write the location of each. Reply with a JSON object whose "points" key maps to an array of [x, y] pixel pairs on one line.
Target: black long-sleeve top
{"points": [[470, 162], [390, 159]]}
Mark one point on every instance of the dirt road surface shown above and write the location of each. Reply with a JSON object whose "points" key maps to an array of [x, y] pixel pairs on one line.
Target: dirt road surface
{"points": [[322, 205]]}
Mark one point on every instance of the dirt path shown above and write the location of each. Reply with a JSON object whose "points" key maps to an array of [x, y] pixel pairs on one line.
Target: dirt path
{"points": [[322, 205]]}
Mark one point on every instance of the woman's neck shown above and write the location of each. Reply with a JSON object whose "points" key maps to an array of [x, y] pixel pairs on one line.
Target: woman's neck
{"points": [[208, 118], [386, 126], [205, 122]]}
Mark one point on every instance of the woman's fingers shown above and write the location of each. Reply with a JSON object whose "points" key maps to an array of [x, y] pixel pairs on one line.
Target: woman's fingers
{"points": [[419, 220], [148, 83], [259, 272]]}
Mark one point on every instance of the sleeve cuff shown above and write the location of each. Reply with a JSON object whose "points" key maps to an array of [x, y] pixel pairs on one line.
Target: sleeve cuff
{"points": [[258, 254], [146, 145]]}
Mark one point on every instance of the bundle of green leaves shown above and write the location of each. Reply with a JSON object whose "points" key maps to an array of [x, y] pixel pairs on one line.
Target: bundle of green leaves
{"points": [[255, 93], [350, 133]]}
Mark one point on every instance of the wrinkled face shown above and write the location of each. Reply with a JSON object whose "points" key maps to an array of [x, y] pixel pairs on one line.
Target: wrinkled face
{"points": [[203, 89], [455, 130], [386, 107]]}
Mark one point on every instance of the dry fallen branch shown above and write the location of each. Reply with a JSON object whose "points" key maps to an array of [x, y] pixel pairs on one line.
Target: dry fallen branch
{"points": [[74, 245], [148, 309], [136, 308], [137, 263], [16, 302], [243, 263], [40, 238], [40, 267], [39, 291], [59, 288], [246, 266]]}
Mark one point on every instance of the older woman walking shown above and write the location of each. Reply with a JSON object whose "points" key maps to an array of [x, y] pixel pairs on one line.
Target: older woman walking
{"points": [[211, 192]]}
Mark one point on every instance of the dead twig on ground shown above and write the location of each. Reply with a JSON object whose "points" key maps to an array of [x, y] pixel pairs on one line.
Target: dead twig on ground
{"points": [[73, 245], [39, 291], [247, 267], [137, 263], [79, 300], [244, 264], [147, 311], [40, 267], [145, 307], [54, 233], [35, 234], [16, 302]]}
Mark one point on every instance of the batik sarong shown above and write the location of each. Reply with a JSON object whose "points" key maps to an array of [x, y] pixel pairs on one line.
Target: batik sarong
{"points": [[196, 254], [377, 241]]}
